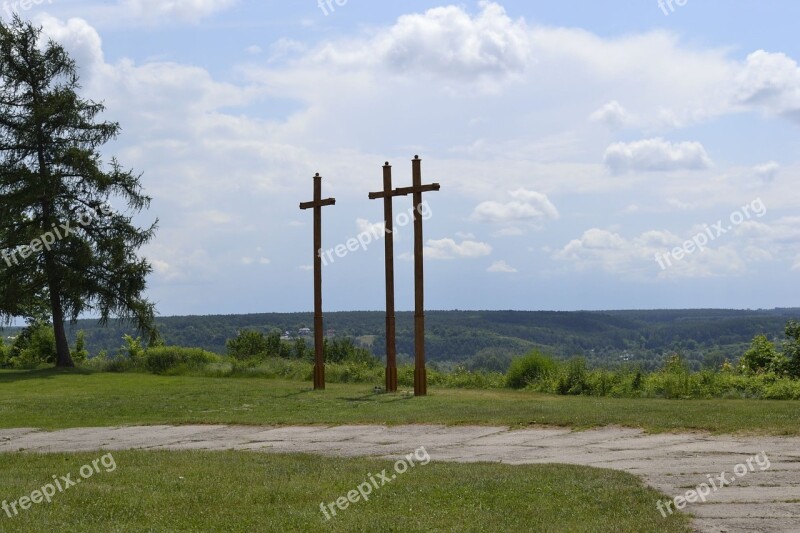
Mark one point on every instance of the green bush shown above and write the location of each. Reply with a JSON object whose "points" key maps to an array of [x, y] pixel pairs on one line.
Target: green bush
{"points": [[173, 359], [80, 354], [672, 381], [573, 377], [762, 357], [791, 349], [118, 363], [248, 344], [343, 349], [526, 370], [35, 346], [5, 354]]}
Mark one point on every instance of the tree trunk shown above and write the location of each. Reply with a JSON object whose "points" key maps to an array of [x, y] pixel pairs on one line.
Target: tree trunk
{"points": [[63, 358]]}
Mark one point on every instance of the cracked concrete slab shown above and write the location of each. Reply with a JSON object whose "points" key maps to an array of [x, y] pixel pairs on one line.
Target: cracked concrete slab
{"points": [[759, 500]]}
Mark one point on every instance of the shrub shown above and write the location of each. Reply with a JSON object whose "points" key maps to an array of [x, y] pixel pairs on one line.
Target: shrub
{"points": [[791, 348], [132, 349], [80, 353], [5, 353], [164, 359], [762, 357], [248, 344], [118, 363], [343, 349], [35, 346], [573, 377], [526, 370]]}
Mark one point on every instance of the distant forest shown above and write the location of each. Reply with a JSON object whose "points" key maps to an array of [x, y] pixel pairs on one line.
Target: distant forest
{"points": [[489, 339]]}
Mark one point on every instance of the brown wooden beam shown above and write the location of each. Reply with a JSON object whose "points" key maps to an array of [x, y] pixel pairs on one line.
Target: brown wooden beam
{"points": [[319, 341], [388, 218]]}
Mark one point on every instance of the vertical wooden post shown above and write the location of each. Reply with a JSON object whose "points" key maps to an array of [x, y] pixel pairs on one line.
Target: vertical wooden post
{"points": [[319, 341], [420, 372], [417, 188], [388, 218]]}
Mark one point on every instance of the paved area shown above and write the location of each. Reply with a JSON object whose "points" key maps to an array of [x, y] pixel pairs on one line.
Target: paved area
{"points": [[763, 495]]}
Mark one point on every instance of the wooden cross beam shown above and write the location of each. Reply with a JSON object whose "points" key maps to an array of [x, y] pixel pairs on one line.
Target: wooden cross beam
{"points": [[391, 344], [417, 188], [317, 204]]}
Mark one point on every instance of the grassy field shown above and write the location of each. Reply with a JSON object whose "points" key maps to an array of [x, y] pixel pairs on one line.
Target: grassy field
{"points": [[241, 491], [54, 399]]}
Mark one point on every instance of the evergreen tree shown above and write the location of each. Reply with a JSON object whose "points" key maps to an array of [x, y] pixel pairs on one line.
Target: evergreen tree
{"points": [[63, 251]]}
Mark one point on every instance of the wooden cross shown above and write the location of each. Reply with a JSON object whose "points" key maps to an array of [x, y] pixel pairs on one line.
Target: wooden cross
{"points": [[417, 188], [317, 204], [391, 344]]}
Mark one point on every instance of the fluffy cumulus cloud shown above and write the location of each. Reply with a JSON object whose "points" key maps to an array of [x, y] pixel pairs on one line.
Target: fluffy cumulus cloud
{"points": [[444, 41], [767, 171], [524, 206], [450, 249], [613, 115], [78, 37], [701, 253], [501, 267], [638, 257], [770, 82], [656, 155]]}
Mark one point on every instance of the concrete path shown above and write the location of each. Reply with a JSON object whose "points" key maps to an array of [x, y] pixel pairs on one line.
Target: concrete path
{"points": [[763, 495]]}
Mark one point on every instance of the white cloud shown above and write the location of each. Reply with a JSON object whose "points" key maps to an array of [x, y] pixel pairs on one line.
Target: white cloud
{"points": [[770, 82], [442, 41], [612, 115], [376, 229], [636, 258], [449, 249], [171, 264], [251, 261], [501, 267], [79, 38], [527, 205], [767, 171], [656, 155]]}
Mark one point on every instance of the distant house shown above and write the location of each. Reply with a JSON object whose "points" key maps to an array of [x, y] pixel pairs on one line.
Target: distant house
{"points": [[331, 333], [286, 336], [304, 332]]}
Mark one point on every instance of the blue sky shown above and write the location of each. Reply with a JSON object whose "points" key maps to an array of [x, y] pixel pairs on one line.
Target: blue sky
{"points": [[575, 143]]}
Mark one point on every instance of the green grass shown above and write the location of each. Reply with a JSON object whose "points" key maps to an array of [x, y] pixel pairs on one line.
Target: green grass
{"points": [[244, 491], [53, 399]]}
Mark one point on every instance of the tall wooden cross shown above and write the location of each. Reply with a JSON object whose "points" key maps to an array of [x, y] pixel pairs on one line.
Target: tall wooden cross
{"points": [[317, 204], [417, 188], [391, 344]]}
